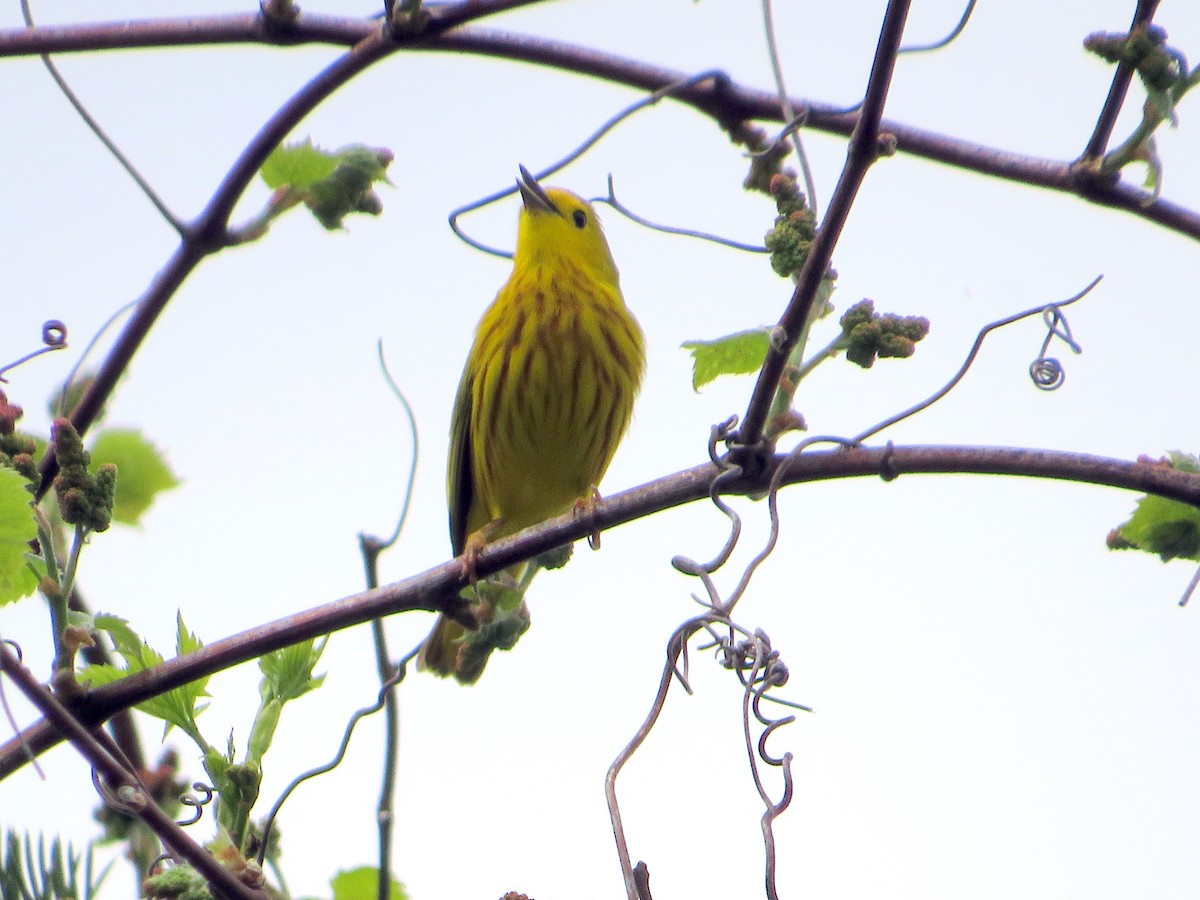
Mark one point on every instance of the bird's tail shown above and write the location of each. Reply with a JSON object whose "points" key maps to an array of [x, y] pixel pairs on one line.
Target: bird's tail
{"points": [[439, 653], [453, 649]]}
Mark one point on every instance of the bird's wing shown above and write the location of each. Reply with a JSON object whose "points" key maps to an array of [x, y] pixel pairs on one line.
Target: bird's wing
{"points": [[460, 483]]}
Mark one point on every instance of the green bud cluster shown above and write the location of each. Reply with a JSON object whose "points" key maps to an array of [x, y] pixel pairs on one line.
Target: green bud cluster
{"points": [[1145, 49], [869, 334], [177, 883], [790, 240], [84, 498], [348, 189], [18, 451], [766, 158]]}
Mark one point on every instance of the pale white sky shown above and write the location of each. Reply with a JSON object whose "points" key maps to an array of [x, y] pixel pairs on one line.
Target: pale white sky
{"points": [[1003, 707]]}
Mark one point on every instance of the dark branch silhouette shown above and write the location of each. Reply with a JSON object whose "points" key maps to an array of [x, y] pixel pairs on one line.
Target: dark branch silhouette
{"points": [[436, 589]]}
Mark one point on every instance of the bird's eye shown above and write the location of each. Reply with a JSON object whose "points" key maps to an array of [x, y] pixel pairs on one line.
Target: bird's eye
{"points": [[580, 218]]}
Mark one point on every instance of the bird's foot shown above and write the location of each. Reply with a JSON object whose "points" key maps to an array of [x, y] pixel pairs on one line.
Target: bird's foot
{"points": [[474, 545], [586, 506]]}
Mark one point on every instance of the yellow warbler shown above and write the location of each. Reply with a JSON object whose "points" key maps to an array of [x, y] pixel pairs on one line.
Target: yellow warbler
{"points": [[545, 396]]}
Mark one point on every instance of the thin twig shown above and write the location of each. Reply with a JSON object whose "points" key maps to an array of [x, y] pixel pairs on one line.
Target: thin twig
{"points": [[967, 363], [183, 31], [675, 644], [384, 692], [389, 674], [624, 210], [109, 144], [730, 102], [948, 39], [785, 104], [654, 98]]}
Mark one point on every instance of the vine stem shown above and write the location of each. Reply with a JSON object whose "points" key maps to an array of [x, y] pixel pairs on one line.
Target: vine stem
{"points": [[675, 648]]}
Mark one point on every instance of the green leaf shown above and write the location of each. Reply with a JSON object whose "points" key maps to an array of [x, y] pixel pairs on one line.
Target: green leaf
{"points": [[332, 184], [1168, 528], [734, 354], [363, 884], [142, 471], [125, 638], [288, 672], [17, 528], [179, 706], [299, 166], [262, 732]]}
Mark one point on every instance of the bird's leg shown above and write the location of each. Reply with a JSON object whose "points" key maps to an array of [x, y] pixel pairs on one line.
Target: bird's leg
{"points": [[475, 543], [586, 506]]}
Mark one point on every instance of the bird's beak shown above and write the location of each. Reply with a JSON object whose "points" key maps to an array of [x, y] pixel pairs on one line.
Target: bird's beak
{"points": [[534, 195]]}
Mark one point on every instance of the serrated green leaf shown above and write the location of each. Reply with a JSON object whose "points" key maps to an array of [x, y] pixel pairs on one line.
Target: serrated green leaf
{"points": [[363, 884], [100, 674], [287, 673], [734, 354], [185, 641], [182, 705], [1168, 528], [127, 641], [17, 528], [142, 473], [298, 165], [179, 706]]}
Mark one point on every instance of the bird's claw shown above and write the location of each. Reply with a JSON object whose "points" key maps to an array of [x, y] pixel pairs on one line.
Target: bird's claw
{"points": [[586, 506]]}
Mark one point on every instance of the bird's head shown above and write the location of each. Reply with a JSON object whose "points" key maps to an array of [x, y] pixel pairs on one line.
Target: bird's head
{"points": [[558, 226]]}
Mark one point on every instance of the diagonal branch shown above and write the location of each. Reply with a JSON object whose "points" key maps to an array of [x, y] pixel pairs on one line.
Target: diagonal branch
{"points": [[209, 234], [862, 151], [1122, 78], [123, 783], [436, 589]]}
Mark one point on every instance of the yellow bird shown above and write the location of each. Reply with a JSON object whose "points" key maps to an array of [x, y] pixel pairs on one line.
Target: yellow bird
{"points": [[546, 394]]}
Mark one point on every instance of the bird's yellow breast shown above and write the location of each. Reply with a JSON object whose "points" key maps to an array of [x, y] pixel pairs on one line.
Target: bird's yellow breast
{"points": [[558, 360]]}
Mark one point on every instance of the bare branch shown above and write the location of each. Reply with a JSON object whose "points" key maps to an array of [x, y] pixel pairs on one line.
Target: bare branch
{"points": [[723, 100], [123, 784], [244, 28], [727, 102], [1098, 143], [209, 234], [241, 28], [436, 589], [860, 154]]}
